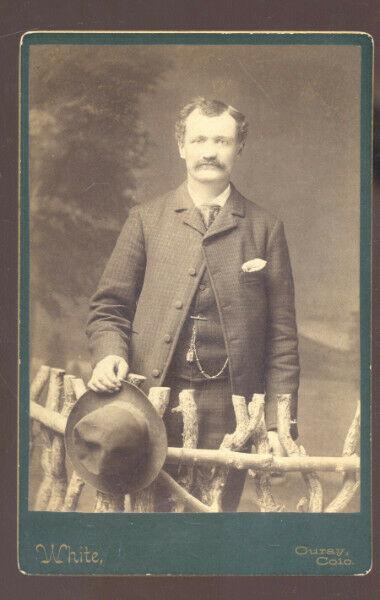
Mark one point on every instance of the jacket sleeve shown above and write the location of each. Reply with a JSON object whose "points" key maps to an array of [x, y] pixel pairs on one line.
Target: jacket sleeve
{"points": [[113, 305], [282, 360]]}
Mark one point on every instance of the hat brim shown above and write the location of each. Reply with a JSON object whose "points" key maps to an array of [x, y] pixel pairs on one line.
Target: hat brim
{"points": [[136, 398]]}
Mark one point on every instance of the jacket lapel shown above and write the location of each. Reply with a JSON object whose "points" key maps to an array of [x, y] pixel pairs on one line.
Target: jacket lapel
{"points": [[189, 213], [226, 220], [191, 216]]}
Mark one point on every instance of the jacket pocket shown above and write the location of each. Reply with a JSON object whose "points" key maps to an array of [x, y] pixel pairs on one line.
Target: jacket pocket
{"points": [[251, 277]]}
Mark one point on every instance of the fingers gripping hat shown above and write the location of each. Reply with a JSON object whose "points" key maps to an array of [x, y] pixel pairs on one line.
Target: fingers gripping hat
{"points": [[117, 443]]}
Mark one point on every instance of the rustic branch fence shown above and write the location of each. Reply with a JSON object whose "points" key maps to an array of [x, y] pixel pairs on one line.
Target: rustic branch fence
{"points": [[207, 469]]}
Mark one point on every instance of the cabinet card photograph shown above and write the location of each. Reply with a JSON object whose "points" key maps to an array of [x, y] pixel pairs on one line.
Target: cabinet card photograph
{"points": [[195, 246]]}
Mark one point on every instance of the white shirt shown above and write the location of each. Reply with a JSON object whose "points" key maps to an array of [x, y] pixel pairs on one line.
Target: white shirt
{"points": [[219, 200]]}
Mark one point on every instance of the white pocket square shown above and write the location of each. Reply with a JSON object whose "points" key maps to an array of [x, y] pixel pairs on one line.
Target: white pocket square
{"points": [[256, 264]]}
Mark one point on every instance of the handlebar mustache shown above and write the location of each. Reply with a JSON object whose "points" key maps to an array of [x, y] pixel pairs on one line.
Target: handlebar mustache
{"points": [[209, 164]]}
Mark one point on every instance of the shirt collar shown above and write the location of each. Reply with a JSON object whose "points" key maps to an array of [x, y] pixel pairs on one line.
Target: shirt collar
{"points": [[219, 200]]}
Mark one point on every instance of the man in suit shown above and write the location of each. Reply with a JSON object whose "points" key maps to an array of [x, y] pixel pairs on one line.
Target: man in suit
{"points": [[198, 292]]}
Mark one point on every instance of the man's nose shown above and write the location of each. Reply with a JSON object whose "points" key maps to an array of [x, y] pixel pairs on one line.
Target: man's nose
{"points": [[209, 150]]}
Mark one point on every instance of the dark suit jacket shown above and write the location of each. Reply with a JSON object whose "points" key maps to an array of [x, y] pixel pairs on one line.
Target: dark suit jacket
{"points": [[149, 282]]}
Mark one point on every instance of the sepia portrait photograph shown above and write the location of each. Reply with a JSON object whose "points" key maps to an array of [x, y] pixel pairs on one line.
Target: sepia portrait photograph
{"points": [[193, 248]]}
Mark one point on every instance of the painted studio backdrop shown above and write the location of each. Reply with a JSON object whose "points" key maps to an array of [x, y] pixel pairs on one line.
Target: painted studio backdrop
{"points": [[102, 139]]}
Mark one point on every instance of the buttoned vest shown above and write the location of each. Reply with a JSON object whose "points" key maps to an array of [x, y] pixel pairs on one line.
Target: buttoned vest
{"points": [[209, 336]]}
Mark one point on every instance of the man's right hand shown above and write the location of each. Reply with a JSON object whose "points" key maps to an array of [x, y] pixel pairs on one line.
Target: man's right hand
{"points": [[108, 374]]}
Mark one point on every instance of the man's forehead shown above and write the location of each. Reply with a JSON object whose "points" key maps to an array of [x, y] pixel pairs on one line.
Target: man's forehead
{"points": [[199, 124]]}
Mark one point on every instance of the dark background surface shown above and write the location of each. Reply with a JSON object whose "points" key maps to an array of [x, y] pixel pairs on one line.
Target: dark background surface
{"points": [[20, 17]]}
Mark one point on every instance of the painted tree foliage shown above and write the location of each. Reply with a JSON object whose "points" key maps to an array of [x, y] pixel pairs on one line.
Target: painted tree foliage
{"points": [[86, 146]]}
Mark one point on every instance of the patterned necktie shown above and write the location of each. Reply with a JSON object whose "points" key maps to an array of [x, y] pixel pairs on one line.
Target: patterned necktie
{"points": [[209, 213]]}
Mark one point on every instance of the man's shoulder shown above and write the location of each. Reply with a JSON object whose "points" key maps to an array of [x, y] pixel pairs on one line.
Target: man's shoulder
{"points": [[153, 207], [256, 212]]}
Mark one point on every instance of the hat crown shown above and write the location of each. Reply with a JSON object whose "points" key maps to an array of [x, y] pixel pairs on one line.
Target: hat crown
{"points": [[113, 442], [116, 442]]}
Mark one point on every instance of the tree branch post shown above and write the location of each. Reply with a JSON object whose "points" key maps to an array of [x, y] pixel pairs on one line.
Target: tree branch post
{"points": [[44, 500], [188, 408], [74, 389], [351, 480], [262, 478], [58, 451], [144, 500], [36, 388], [311, 478], [247, 419]]}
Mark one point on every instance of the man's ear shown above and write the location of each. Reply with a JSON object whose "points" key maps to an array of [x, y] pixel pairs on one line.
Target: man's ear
{"points": [[240, 149], [181, 150]]}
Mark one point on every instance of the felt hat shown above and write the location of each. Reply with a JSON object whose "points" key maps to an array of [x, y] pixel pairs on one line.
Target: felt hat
{"points": [[116, 442]]}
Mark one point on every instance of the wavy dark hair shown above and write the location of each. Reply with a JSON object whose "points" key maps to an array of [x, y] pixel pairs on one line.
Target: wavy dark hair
{"points": [[210, 108]]}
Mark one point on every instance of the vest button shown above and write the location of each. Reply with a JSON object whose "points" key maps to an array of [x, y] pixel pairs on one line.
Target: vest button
{"points": [[167, 338], [192, 271], [178, 304], [202, 287], [156, 373]]}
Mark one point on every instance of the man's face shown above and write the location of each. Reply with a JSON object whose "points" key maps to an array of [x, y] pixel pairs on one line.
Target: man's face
{"points": [[210, 146]]}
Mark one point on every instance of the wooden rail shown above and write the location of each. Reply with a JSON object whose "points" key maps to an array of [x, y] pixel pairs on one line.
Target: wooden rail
{"points": [[238, 460], [56, 493]]}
